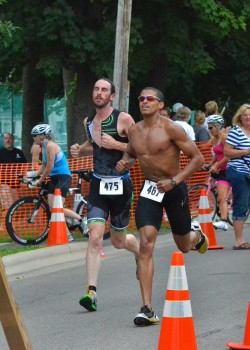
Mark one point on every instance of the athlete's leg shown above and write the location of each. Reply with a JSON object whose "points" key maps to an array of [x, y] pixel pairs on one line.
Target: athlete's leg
{"points": [[92, 255], [148, 235], [123, 240]]}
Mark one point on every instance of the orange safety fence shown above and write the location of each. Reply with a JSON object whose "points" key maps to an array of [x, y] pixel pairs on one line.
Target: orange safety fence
{"points": [[11, 189]]}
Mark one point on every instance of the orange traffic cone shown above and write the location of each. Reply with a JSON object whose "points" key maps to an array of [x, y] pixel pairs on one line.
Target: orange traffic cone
{"points": [[102, 254], [205, 220], [246, 342], [177, 328], [57, 228]]}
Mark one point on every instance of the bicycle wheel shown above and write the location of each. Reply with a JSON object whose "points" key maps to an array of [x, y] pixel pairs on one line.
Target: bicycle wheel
{"points": [[194, 193], [82, 211], [26, 224]]}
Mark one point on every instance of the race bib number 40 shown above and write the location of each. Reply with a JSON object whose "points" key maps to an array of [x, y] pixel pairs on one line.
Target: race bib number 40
{"points": [[150, 191], [111, 186]]}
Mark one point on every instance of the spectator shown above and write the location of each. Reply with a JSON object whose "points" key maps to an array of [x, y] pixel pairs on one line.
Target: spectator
{"points": [[9, 153], [217, 167], [201, 133], [175, 109], [165, 112], [182, 118], [237, 149], [211, 107]]}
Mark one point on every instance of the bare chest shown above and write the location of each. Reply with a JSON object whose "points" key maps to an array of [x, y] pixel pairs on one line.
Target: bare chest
{"points": [[151, 142]]}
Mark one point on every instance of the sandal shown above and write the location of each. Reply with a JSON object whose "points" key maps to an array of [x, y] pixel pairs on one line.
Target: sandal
{"points": [[242, 246]]}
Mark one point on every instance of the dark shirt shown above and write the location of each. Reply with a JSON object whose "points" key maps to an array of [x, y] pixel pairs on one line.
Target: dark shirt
{"points": [[13, 156], [105, 159], [201, 133]]}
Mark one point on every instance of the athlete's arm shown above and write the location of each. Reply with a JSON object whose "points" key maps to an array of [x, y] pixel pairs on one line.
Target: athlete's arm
{"points": [[123, 124], [128, 159]]}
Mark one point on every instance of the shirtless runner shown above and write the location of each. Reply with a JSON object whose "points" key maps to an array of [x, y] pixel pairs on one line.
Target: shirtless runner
{"points": [[157, 143]]}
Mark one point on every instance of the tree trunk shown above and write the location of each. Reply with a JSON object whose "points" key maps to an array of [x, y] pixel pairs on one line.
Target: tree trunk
{"points": [[78, 85], [33, 104]]}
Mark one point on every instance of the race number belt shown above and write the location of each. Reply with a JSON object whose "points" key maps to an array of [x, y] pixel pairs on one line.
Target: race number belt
{"points": [[150, 191], [111, 185]]}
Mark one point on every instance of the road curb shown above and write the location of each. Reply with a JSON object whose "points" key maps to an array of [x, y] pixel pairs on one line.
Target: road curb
{"points": [[44, 257]]}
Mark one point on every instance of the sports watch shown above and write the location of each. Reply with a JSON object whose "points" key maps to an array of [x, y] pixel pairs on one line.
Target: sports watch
{"points": [[173, 182]]}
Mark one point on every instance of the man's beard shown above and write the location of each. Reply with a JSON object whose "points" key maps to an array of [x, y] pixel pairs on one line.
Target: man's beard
{"points": [[101, 106]]}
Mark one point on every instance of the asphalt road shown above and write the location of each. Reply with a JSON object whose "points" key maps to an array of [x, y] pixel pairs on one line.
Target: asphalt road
{"points": [[218, 283]]}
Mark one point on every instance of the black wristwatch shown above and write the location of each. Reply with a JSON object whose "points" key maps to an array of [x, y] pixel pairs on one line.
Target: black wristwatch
{"points": [[173, 182]]}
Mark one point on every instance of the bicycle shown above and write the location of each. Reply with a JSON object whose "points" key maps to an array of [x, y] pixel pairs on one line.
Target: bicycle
{"points": [[27, 220], [194, 193]]}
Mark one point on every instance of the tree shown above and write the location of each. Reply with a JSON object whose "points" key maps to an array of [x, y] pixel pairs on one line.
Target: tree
{"points": [[187, 48]]}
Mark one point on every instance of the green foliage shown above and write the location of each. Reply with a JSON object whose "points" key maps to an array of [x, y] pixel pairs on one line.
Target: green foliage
{"points": [[216, 13], [187, 48], [7, 31]]}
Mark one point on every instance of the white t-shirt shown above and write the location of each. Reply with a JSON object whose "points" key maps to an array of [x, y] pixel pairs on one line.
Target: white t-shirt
{"points": [[188, 129]]}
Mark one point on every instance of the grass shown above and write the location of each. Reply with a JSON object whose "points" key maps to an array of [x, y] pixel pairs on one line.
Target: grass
{"points": [[5, 240], [19, 249], [10, 251]]}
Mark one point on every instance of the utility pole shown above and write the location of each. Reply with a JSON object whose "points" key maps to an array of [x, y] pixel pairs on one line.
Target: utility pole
{"points": [[120, 78]]}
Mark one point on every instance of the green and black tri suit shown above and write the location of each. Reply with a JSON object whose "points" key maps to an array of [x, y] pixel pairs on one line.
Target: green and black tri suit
{"points": [[105, 160]]}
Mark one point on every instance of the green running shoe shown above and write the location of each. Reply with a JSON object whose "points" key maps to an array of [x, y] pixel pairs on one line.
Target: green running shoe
{"points": [[89, 301]]}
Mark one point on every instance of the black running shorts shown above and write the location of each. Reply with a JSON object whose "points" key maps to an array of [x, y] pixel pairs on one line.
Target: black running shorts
{"points": [[117, 206], [175, 202], [60, 181]]}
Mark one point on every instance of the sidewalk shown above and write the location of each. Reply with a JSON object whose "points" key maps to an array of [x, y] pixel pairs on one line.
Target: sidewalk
{"points": [[44, 257]]}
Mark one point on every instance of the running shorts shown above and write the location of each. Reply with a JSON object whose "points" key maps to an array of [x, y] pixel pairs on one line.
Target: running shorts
{"points": [[175, 202], [60, 181], [117, 206]]}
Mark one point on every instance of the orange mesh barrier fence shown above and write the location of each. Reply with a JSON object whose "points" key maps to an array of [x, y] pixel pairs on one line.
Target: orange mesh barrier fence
{"points": [[11, 189]]}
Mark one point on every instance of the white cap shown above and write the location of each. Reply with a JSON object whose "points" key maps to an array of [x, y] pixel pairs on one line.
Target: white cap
{"points": [[176, 106]]}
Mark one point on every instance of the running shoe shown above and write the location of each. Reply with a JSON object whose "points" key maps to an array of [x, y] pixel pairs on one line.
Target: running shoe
{"points": [[222, 225], [85, 228], [89, 301], [146, 317], [203, 243], [70, 237]]}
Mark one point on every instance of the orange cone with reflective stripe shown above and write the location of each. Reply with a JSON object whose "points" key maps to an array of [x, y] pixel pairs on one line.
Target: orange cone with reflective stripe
{"points": [[246, 341], [205, 220], [177, 328], [57, 228]]}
